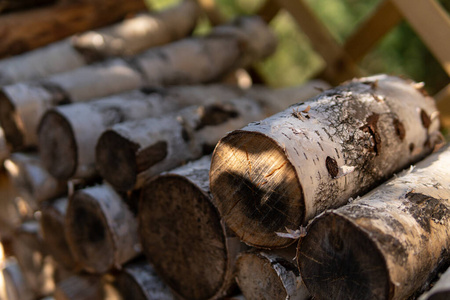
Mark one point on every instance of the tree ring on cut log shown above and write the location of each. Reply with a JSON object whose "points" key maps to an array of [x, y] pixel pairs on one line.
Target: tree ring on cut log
{"points": [[118, 166], [175, 215], [10, 122], [88, 235], [266, 195], [338, 260], [262, 281], [57, 145]]}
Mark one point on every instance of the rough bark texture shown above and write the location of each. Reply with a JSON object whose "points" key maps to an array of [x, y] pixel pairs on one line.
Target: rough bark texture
{"points": [[79, 287], [53, 231], [36, 265], [101, 231], [138, 280], [32, 181], [68, 133], [385, 245], [28, 30], [189, 61], [139, 33], [128, 37], [441, 290], [270, 275], [131, 153], [282, 171], [15, 287], [176, 214]]}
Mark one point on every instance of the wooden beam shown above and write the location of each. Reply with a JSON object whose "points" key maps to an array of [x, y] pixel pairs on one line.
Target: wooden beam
{"points": [[384, 17], [432, 23]]}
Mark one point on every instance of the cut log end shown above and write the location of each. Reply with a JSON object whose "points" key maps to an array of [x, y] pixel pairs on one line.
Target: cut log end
{"points": [[87, 233], [261, 280], [114, 152], [9, 121], [262, 191], [175, 215], [57, 145], [338, 260]]}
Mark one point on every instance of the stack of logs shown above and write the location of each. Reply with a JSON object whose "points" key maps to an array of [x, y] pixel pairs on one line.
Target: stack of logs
{"points": [[111, 190]]}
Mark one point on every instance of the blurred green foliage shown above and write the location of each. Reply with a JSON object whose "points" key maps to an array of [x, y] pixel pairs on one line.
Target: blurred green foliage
{"points": [[400, 52]]}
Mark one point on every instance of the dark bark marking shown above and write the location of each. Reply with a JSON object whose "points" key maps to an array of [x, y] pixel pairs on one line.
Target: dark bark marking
{"points": [[411, 147], [337, 153], [318, 134], [320, 146], [185, 135], [207, 149], [372, 129], [58, 94], [148, 90], [215, 115], [151, 155], [304, 154], [399, 129], [426, 208], [287, 265], [426, 121], [332, 167]]}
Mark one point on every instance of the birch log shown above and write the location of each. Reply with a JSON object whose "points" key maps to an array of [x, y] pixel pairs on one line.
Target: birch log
{"points": [[280, 172], [385, 245], [54, 232], [24, 31], [31, 180], [138, 280], [176, 214], [270, 275], [131, 153], [36, 265], [68, 133], [14, 285], [101, 231], [128, 37], [79, 287], [441, 290], [189, 61]]}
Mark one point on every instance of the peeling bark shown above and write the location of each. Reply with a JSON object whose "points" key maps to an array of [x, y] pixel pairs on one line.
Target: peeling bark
{"points": [[79, 287], [441, 290], [282, 171], [126, 38], [101, 231], [270, 275], [176, 214], [387, 244], [53, 231], [31, 180], [36, 265], [138, 280], [189, 61]]}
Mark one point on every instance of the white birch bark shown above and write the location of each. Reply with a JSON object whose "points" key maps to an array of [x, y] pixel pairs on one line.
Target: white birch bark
{"points": [[385, 245], [125, 38], [282, 171], [176, 214], [142, 149], [441, 289], [138, 280], [101, 230], [270, 275]]}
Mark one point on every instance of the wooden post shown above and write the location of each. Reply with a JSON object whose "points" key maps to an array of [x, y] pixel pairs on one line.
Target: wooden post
{"points": [[101, 231], [126, 38], [52, 224], [270, 275], [385, 245], [282, 171], [24, 31], [138, 280], [176, 214]]}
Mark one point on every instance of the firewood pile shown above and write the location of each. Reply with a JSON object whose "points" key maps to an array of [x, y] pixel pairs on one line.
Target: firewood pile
{"points": [[139, 165]]}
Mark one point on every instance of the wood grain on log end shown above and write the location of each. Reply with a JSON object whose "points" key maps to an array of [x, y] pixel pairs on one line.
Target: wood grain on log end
{"points": [[114, 153], [10, 123], [89, 240], [57, 145], [175, 215], [54, 234], [338, 260], [265, 191]]}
